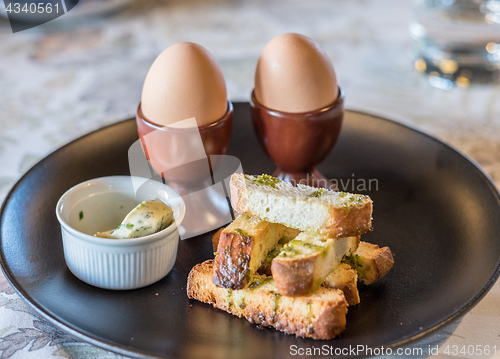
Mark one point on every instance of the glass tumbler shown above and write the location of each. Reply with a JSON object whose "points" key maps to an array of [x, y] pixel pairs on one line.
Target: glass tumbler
{"points": [[457, 42]]}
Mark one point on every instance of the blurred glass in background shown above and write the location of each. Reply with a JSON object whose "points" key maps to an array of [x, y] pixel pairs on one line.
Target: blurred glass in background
{"points": [[457, 42]]}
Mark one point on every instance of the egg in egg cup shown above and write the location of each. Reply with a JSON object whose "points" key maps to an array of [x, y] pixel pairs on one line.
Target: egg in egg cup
{"points": [[184, 122], [297, 107]]}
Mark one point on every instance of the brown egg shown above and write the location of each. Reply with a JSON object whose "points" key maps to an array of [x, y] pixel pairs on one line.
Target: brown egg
{"points": [[184, 82], [295, 75]]}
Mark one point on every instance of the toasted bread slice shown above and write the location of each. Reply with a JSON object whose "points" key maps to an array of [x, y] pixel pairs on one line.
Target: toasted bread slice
{"points": [[243, 245], [345, 278], [265, 266], [304, 262], [371, 262], [320, 315], [338, 214]]}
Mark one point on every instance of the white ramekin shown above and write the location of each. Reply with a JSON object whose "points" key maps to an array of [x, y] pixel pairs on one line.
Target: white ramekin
{"points": [[101, 204]]}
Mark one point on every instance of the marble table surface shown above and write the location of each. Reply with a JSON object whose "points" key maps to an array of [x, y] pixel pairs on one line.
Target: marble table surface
{"points": [[76, 74]]}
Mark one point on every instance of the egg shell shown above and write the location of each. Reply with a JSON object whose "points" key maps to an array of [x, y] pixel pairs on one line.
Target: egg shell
{"points": [[183, 82], [295, 75]]}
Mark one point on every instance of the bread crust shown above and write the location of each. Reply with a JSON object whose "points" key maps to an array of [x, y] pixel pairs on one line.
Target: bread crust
{"points": [[294, 276], [373, 262], [237, 195], [350, 223], [321, 315], [232, 262]]}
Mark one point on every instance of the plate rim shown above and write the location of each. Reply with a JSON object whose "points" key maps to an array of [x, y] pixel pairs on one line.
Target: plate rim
{"points": [[121, 349]]}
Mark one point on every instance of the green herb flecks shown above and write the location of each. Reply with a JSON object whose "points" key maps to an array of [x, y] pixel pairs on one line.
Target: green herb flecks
{"points": [[242, 304], [289, 251], [81, 215], [275, 297], [130, 226], [357, 263], [273, 253], [353, 260], [258, 281], [310, 311], [318, 193], [241, 232], [229, 298], [299, 247], [266, 180], [351, 200]]}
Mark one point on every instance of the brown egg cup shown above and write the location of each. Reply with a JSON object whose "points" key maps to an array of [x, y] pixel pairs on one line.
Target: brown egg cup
{"points": [[176, 154], [298, 142]]}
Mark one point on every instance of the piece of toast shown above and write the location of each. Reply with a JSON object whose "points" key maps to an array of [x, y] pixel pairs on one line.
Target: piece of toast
{"points": [[370, 261], [265, 267], [242, 247], [345, 278], [338, 214], [304, 262], [320, 315]]}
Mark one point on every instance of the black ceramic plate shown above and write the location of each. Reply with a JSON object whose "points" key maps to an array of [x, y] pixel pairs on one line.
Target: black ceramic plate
{"points": [[435, 209]]}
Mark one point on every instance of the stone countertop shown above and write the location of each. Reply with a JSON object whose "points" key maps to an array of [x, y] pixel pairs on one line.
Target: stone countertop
{"points": [[76, 74]]}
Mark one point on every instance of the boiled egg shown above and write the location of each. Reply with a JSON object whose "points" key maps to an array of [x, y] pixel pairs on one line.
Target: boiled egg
{"points": [[295, 75], [184, 83]]}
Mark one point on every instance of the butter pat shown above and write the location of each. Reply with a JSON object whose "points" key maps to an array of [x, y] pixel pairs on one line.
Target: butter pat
{"points": [[147, 218]]}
